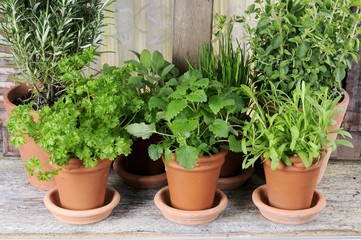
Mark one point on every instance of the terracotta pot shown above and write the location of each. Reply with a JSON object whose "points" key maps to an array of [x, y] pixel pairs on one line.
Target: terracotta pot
{"points": [[232, 164], [342, 107], [30, 149], [138, 181], [291, 188], [194, 189], [82, 188], [139, 162]]}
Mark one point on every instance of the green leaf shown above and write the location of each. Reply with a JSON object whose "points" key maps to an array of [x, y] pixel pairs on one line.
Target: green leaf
{"points": [[341, 74], [197, 96], [234, 144], [155, 151], [183, 125], [302, 50], [344, 143], [187, 156], [202, 83], [156, 102], [167, 155], [166, 70], [220, 128], [141, 130], [264, 21], [157, 61], [216, 103], [295, 135], [174, 108], [145, 58], [277, 41]]}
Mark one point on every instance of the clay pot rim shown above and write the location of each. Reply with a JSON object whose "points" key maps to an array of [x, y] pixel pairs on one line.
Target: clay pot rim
{"points": [[80, 214], [228, 183], [190, 217], [281, 165], [290, 215], [201, 160], [151, 181], [76, 165]]}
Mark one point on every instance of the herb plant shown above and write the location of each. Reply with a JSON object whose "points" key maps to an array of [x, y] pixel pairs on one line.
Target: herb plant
{"points": [[43, 32], [193, 116], [225, 63], [88, 122], [282, 126], [304, 40]]}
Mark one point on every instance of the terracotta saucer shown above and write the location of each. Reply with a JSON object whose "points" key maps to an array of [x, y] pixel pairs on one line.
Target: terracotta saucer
{"points": [[228, 183], [162, 201], [260, 199], [138, 181], [52, 203]]}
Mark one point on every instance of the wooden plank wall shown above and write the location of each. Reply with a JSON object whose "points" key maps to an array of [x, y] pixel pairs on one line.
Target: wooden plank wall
{"points": [[192, 26]]}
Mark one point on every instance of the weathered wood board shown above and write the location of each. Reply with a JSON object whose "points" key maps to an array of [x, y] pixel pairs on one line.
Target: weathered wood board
{"points": [[192, 27], [23, 214]]}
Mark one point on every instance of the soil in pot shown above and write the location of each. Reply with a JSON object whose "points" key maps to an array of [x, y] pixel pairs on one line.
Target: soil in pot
{"points": [[30, 149], [194, 189], [291, 188], [82, 188]]}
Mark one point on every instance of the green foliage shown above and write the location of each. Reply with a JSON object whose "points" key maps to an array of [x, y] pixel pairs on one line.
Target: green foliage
{"points": [[282, 126], [191, 123], [42, 32], [304, 40], [224, 63], [88, 122]]}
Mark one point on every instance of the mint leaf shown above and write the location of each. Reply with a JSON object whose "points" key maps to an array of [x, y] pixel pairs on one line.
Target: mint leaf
{"points": [[216, 103], [197, 96], [145, 58], [174, 108], [141, 130], [220, 128], [155, 151], [234, 144], [187, 156]]}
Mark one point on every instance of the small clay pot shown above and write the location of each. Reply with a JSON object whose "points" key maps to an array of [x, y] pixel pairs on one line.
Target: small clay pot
{"points": [[52, 203], [260, 199], [82, 188], [194, 189], [291, 187], [189, 217], [30, 149]]}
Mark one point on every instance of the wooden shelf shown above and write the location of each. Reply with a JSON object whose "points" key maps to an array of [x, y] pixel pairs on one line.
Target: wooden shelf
{"points": [[23, 214]]}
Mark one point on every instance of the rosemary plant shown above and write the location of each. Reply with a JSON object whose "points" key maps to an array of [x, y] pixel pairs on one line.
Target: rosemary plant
{"points": [[41, 33]]}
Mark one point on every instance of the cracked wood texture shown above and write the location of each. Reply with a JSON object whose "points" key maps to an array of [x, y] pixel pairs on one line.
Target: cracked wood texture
{"points": [[23, 214]]}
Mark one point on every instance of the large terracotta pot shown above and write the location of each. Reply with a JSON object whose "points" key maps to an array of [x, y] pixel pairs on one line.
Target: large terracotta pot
{"points": [[139, 162], [342, 107], [291, 188], [194, 189], [30, 149], [82, 188]]}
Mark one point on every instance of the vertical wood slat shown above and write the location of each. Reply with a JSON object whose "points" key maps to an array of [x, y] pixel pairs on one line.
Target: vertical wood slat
{"points": [[192, 27]]}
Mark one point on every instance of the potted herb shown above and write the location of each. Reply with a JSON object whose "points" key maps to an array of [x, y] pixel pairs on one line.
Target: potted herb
{"points": [[84, 130], [230, 65], [191, 114], [311, 41], [290, 133], [151, 72], [41, 34]]}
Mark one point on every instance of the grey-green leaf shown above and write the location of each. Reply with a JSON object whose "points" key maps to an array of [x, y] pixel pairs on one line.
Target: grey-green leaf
{"points": [[141, 130], [187, 156]]}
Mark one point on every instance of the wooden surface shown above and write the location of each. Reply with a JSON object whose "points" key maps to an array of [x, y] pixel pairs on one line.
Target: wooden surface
{"points": [[23, 214], [192, 26]]}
